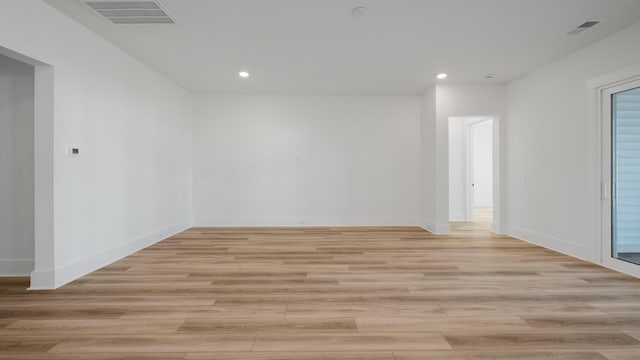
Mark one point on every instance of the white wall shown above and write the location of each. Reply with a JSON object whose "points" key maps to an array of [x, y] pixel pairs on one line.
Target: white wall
{"points": [[306, 160], [551, 179], [482, 163], [16, 168], [131, 184]]}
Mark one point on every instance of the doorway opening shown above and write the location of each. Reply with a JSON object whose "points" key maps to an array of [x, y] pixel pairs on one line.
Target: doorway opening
{"points": [[17, 220], [27, 94], [471, 172]]}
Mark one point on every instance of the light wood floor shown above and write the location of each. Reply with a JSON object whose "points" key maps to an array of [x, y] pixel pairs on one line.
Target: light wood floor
{"points": [[483, 214], [483, 217], [330, 293]]}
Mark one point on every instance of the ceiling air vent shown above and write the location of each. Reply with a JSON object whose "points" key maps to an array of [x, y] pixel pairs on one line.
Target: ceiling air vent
{"points": [[583, 27], [124, 12]]}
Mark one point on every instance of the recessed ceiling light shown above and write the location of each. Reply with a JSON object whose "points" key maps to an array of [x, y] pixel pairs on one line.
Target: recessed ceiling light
{"points": [[243, 74], [442, 76]]}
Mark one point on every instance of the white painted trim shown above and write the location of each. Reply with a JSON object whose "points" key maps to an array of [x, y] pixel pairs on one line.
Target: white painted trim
{"points": [[43, 280], [470, 174], [15, 267], [44, 250], [498, 159], [43, 163], [622, 266], [498, 166], [619, 266], [52, 279], [615, 78], [563, 246], [469, 171], [456, 216], [496, 228], [305, 222], [436, 229]]}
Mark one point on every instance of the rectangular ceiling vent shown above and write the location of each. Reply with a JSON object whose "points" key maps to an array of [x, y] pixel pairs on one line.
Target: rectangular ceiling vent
{"points": [[124, 12], [587, 25]]}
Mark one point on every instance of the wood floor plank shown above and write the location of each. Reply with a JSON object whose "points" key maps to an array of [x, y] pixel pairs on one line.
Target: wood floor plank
{"points": [[618, 354], [5, 322], [522, 308], [94, 326], [230, 326], [314, 355], [11, 312], [31, 344], [381, 293], [111, 356], [583, 322], [271, 312], [359, 309], [540, 340], [349, 342], [439, 323], [154, 343], [498, 355], [635, 333]]}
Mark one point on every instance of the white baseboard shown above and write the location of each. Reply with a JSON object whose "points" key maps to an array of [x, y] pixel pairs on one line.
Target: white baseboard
{"points": [[303, 222], [564, 246], [15, 267], [456, 216], [436, 229], [42, 279]]}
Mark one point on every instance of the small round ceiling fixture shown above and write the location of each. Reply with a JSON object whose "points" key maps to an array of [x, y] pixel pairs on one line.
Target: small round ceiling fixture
{"points": [[360, 11], [489, 76], [442, 76], [244, 74]]}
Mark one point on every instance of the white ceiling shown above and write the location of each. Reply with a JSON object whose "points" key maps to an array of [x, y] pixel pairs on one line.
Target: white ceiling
{"points": [[316, 46]]}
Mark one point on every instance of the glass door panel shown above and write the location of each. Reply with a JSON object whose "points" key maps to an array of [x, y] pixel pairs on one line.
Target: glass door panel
{"points": [[625, 175]]}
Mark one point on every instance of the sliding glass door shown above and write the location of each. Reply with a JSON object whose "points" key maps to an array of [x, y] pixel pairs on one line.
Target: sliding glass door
{"points": [[625, 173]]}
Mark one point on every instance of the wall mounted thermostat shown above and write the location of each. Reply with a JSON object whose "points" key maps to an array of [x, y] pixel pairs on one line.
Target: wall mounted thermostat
{"points": [[73, 151]]}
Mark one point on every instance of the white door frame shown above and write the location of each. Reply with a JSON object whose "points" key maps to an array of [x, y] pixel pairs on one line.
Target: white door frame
{"points": [[469, 174], [42, 275], [599, 170], [496, 163], [471, 169], [608, 187]]}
